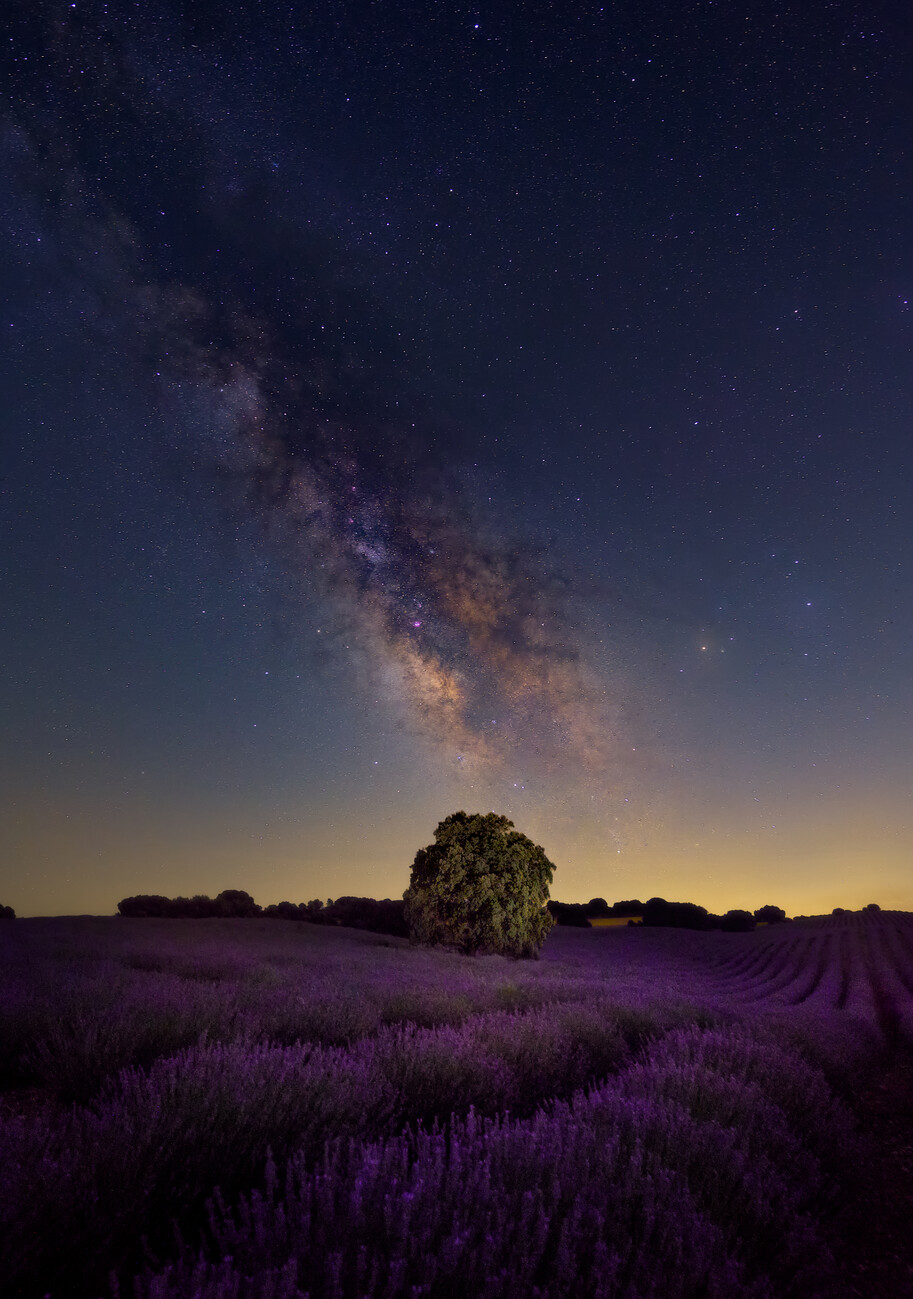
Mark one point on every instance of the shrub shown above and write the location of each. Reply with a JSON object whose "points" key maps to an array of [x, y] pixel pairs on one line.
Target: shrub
{"points": [[144, 905], [737, 922], [236, 904], [285, 911], [675, 915], [481, 887], [769, 915], [573, 914], [632, 907], [384, 917], [230, 904], [7, 913]]}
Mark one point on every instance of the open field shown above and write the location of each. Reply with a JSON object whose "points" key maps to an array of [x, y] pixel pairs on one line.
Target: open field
{"points": [[265, 1109]]}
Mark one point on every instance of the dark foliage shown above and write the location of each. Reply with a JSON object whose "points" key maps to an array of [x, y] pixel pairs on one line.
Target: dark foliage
{"points": [[235, 903], [199, 907], [313, 911], [633, 907], [390, 916], [378, 917], [384, 917], [286, 911], [579, 914], [658, 913], [737, 922], [770, 915], [230, 904], [144, 905], [7, 913], [574, 914], [481, 887]]}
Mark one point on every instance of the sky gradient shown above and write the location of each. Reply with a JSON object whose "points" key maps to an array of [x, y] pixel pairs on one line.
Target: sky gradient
{"points": [[412, 408]]}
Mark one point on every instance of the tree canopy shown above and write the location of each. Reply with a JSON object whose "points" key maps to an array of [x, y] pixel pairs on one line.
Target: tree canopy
{"points": [[770, 915], [481, 887], [230, 903]]}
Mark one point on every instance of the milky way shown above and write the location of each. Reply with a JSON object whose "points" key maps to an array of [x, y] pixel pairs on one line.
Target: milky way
{"points": [[256, 318], [471, 632]]}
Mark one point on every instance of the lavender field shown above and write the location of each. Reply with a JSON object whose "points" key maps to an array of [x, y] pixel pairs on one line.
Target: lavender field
{"points": [[266, 1109]]}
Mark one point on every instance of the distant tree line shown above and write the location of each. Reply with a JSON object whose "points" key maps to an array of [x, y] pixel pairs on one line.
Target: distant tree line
{"points": [[579, 914], [388, 916], [657, 913], [230, 904], [384, 917]]}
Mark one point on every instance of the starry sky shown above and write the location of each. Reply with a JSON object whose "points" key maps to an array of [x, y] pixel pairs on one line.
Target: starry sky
{"points": [[411, 407]]}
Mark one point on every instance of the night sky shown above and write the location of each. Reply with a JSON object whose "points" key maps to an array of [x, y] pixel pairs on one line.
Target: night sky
{"points": [[411, 407]]}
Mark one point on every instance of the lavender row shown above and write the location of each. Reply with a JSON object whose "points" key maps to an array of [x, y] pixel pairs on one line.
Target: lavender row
{"points": [[702, 1170], [70, 1024], [157, 1139], [859, 970]]}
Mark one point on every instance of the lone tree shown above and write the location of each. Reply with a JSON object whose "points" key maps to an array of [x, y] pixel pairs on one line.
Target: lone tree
{"points": [[481, 887]]}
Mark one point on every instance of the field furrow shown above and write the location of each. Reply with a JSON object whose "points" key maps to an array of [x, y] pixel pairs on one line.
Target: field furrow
{"points": [[790, 968], [813, 976]]}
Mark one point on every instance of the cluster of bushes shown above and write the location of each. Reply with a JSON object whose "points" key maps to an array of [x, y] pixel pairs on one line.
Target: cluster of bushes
{"points": [[769, 915], [658, 913], [386, 916], [599, 908], [579, 914], [7, 913], [230, 904], [572, 914], [296, 910]]}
